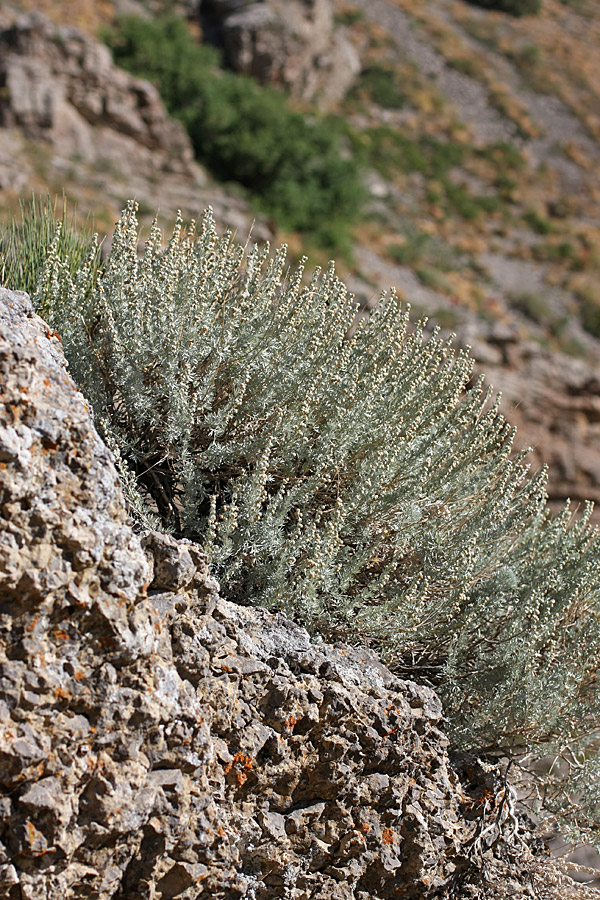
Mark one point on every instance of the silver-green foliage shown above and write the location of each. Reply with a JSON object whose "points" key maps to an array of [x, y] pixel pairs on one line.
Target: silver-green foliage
{"points": [[345, 473]]}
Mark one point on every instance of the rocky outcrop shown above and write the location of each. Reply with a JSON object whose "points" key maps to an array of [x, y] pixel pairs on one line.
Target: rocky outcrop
{"points": [[159, 742], [58, 84], [294, 45], [71, 120]]}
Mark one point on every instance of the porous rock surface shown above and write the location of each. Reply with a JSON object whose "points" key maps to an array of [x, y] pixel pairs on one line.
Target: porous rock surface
{"points": [[159, 742]]}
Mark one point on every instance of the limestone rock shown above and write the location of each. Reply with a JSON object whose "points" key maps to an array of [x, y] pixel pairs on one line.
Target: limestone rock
{"points": [[293, 45], [157, 741], [60, 85], [72, 118]]}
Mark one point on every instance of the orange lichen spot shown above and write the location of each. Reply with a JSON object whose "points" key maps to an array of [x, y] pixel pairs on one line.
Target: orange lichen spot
{"points": [[2, 465], [243, 765], [60, 635], [79, 675], [106, 641], [35, 839], [33, 623], [47, 381], [61, 694], [221, 831], [388, 836], [37, 772], [365, 827], [32, 831], [225, 669], [290, 722], [240, 759]]}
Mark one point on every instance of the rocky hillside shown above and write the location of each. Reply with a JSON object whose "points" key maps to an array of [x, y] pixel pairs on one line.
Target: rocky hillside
{"points": [[72, 121], [504, 246], [157, 741], [479, 136]]}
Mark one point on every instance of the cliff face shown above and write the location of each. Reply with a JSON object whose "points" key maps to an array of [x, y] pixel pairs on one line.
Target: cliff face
{"points": [[72, 120], [62, 86], [159, 742]]}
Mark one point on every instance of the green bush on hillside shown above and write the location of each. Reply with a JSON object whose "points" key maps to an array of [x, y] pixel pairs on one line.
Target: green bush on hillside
{"points": [[589, 310], [347, 474], [513, 7], [293, 165], [382, 85]]}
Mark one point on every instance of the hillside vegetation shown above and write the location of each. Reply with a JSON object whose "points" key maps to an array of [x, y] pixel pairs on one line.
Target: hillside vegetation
{"points": [[352, 481], [463, 167], [476, 134], [294, 167]]}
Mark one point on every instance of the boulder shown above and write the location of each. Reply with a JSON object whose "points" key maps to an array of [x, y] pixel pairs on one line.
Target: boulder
{"points": [[292, 45], [157, 741]]}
